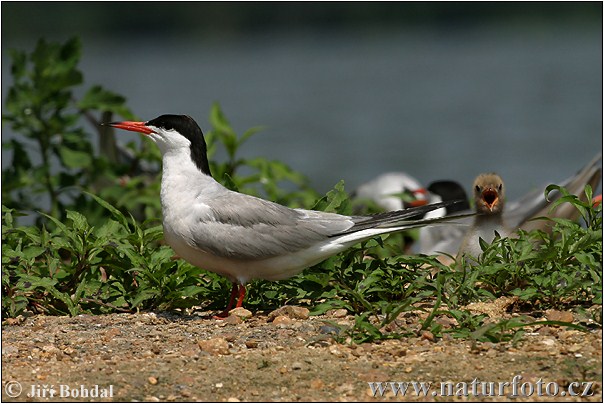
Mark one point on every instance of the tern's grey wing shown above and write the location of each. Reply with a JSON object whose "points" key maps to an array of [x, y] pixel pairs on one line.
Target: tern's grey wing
{"points": [[521, 210], [248, 228], [534, 204]]}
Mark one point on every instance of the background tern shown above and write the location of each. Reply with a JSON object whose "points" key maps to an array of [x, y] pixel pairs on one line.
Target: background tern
{"points": [[446, 240], [387, 190], [489, 198], [519, 214], [240, 236]]}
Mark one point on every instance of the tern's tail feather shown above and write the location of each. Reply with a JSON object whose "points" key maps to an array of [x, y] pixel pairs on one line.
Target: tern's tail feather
{"points": [[403, 219]]}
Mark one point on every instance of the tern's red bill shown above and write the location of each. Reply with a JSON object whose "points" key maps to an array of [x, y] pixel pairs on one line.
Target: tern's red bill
{"points": [[132, 126]]}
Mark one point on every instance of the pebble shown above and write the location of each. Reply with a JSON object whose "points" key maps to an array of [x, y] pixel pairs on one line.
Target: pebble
{"points": [[556, 315], [69, 351], [214, 346], [317, 384], [296, 366], [329, 329], [338, 313], [548, 342], [295, 312], [50, 349], [240, 312], [283, 320], [233, 400], [233, 320], [152, 380], [9, 350], [574, 348]]}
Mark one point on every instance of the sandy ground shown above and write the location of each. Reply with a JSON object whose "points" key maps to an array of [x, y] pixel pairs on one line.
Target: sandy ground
{"points": [[288, 357]]}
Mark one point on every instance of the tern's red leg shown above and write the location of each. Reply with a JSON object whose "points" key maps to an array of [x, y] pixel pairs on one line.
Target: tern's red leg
{"points": [[241, 295], [234, 292]]}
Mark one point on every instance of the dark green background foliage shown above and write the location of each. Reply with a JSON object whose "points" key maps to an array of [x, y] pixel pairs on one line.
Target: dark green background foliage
{"points": [[94, 243]]}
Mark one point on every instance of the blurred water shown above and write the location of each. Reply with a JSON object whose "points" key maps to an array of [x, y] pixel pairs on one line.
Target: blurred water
{"points": [[526, 103]]}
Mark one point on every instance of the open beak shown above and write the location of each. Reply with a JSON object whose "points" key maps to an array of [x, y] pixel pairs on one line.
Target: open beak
{"points": [[490, 197], [420, 198], [131, 126]]}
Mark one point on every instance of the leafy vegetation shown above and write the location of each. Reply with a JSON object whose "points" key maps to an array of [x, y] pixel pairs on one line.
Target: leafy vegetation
{"points": [[95, 245]]}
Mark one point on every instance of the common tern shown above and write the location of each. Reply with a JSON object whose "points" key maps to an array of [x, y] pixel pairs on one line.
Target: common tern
{"points": [[243, 237]]}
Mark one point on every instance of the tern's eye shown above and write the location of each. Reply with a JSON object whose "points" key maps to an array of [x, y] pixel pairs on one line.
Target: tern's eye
{"points": [[499, 187], [477, 188]]}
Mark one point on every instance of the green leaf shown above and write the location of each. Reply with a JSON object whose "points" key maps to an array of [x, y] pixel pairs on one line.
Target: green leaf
{"points": [[75, 158], [79, 221], [335, 201], [119, 216], [33, 252], [97, 98]]}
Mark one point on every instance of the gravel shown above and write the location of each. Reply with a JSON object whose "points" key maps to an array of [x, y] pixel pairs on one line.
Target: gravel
{"points": [[168, 357]]}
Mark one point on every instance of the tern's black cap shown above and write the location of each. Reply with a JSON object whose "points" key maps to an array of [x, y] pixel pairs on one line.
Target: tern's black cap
{"points": [[187, 127]]}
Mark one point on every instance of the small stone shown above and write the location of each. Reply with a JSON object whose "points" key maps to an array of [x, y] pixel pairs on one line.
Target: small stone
{"points": [[427, 335], [230, 337], [51, 349], [14, 321], [345, 389], [69, 351], [218, 385], [296, 366], [233, 400], [329, 329], [317, 384], [251, 344], [282, 320], [233, 320], [152, 380], [556, 315], [294, 312], [185, 393], [9, 350], [240, 312], [152, 399], [339, 313], [574, 348], [214, 346], [548, 342]]}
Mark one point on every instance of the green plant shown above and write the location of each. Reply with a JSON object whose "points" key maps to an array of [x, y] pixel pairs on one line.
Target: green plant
{"points": [[92, 251], [53, 158]]}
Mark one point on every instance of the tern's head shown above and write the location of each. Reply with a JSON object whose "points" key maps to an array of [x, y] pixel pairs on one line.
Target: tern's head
{"points": [[489, 194], [173, 133]]}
